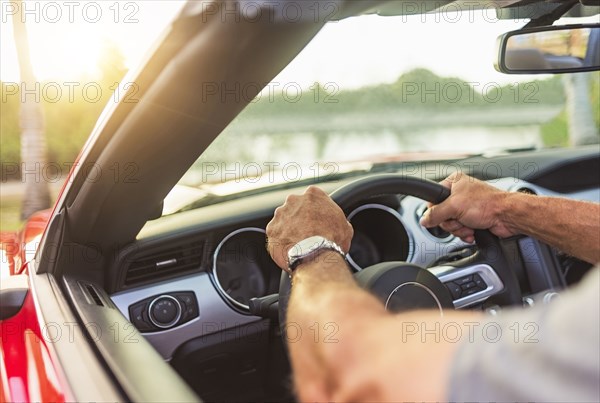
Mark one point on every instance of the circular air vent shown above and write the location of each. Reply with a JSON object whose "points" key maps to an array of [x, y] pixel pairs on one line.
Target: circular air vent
{"points": [[527, 190], [437, 232]]}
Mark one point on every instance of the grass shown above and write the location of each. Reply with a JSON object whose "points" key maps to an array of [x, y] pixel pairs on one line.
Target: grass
{"points": [[10, 206], [555, 133], [10, 213]]}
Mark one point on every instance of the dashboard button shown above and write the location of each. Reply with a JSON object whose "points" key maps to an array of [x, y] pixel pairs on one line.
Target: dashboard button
{"points": [[189, 305], [164, 311], [454, 289], [479, 282], [468, 286], [137, 314], [470, 291], [463, 280]]}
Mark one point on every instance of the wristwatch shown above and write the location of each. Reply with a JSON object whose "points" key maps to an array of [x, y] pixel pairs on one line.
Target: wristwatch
{"points": [[308, 249]]}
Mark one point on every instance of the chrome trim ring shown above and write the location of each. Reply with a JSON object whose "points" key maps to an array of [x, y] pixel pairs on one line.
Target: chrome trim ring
{"points": [[171, 323], [419, 213], [215, 272], [395, 214], [437, 301]]}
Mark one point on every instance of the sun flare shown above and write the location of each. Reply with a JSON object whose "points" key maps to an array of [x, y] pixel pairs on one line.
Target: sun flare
{"points": [[66, 56], [67, 40]]}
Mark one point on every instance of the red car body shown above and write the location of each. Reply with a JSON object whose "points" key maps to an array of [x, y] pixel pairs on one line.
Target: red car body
{"points": [[29, 371]]}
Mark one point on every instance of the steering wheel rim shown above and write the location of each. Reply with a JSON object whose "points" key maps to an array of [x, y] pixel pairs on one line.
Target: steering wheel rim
{"points": [[489, 248]]}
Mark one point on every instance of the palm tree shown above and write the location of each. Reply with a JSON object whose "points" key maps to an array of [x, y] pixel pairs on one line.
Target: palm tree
{"points": [[31, 122], [580, 115]]}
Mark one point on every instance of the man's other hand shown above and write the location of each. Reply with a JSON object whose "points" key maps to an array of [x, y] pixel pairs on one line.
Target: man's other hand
{"points": [[472, 204], [300, 217]]}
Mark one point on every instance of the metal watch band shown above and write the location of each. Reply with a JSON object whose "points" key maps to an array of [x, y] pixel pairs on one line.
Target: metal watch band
{"points": [[322, 244]]}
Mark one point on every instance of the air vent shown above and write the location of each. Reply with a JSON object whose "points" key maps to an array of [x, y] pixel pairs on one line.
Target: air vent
{"points": [[436, 232], [527, 190], [92, 294], [439, 233], [165, 262]]}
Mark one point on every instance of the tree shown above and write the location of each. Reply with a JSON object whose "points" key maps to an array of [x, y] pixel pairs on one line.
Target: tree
{"points": [[582, 128], [31, 122]]}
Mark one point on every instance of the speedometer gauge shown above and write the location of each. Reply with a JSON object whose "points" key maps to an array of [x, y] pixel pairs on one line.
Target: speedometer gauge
{"points": [[242, 267]]}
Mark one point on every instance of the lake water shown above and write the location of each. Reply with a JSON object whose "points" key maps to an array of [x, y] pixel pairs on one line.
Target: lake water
{"points": [[342, 136], [240, 152]]}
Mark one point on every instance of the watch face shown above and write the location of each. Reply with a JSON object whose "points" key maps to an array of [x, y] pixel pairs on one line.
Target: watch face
{"points": [[305, 247]]}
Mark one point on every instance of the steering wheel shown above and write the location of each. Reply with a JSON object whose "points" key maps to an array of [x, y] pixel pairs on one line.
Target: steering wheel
{"points": [[402, 286]]}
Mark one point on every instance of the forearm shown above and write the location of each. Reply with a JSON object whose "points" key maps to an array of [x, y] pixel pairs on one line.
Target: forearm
{"points": [[319, 283], [570, 225], [323, 298], [368, 353], [324, 293]]}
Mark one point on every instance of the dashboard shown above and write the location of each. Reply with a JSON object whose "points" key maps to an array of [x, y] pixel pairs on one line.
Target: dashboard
{"points": [[230, 264], [187, 281]]}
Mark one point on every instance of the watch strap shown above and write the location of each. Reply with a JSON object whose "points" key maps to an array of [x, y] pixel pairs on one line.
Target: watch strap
{"points": [[323, 245]]}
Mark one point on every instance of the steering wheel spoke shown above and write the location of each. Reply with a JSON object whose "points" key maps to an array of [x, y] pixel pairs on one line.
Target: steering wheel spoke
{"points": [[469, 285]]}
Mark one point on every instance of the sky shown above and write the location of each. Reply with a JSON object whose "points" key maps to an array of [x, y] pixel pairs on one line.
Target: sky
{"points": [[66, 38], [380, 49]]}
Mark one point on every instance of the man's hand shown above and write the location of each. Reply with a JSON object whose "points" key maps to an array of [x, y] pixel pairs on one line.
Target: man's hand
{"points": [[300, 217], [472, 204]]}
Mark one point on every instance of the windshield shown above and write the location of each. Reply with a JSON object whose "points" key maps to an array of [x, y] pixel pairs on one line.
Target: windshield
{"points": [[375, 89]]}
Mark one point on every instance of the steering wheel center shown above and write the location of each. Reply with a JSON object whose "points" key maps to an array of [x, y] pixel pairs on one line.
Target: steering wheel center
{"points": [[412, 291], [403, 286]]}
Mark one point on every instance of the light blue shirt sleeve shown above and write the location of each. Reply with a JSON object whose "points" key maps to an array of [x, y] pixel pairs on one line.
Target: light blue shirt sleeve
{"points": [[547, 353]]}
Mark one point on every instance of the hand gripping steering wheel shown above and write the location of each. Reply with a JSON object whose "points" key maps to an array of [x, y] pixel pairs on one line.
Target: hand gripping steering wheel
{"points": [[404, 286]]}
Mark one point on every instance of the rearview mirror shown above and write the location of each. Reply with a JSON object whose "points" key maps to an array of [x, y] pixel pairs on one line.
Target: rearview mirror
{"points": [[550, 49]]}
